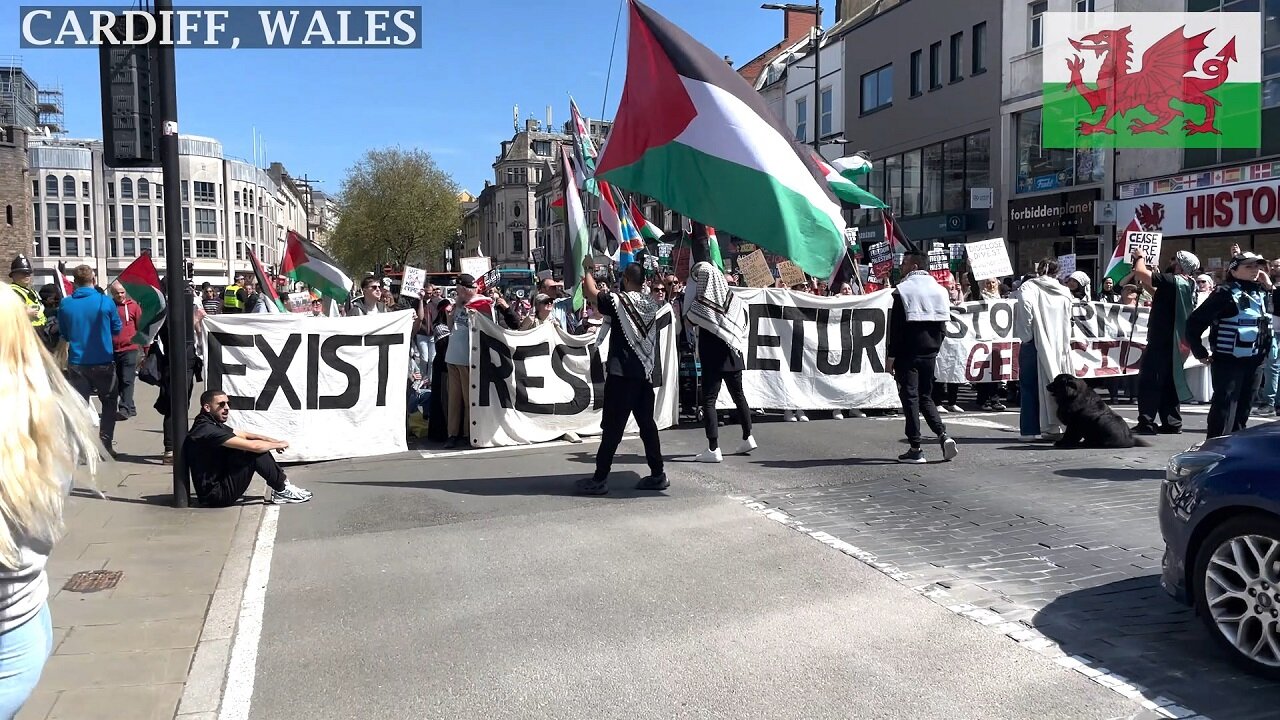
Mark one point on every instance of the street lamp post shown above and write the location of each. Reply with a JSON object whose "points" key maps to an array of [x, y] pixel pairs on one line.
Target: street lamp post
{"points": [[816, 8]]}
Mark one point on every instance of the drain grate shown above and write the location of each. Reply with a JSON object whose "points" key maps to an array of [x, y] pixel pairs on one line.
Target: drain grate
{"points": [[93, 580]]}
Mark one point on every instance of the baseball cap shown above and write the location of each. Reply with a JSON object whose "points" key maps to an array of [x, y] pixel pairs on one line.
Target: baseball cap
{"points": [[541, 298], [1246, 257], [467, 281]]}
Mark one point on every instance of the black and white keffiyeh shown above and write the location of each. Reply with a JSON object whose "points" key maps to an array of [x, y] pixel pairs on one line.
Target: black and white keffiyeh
{"points": [[637, 314], [716, 309]]}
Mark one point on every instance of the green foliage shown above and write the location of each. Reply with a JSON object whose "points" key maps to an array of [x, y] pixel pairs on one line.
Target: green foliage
{"points": [[397, 207]]}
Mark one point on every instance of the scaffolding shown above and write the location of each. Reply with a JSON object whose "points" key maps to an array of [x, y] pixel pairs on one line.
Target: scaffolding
{"points": [[25, 104]]}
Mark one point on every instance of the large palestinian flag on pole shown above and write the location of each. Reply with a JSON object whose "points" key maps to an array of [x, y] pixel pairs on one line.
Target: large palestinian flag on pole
{"points": [[713, 151], [142, 283], [267, 289], [577, 237], [304, 262]]}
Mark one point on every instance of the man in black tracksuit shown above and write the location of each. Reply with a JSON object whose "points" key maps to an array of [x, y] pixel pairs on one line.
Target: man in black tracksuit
{"points": [[920, 312]]}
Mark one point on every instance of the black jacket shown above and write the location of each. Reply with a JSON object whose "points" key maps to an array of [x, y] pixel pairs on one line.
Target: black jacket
{"points": [[912, 340]]}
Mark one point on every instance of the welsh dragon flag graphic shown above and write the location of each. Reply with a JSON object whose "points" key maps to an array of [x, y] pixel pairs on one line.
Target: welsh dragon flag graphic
{"points": [[142, 283], [714, 151], [1152, 79]]}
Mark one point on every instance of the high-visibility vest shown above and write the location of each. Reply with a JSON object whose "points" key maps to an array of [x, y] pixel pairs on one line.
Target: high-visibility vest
{"points": [[1247, 333], [229, 299], [31, 300]]}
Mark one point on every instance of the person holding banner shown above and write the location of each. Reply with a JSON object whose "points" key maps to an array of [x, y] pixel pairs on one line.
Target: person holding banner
{"points": [[1162, 379], [917, 322], [458, 355], [1042, 323], [627, 389], [721, 320]]}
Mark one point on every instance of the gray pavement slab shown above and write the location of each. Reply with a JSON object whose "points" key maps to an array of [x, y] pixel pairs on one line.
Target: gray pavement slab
{"points": [[477, 587]]}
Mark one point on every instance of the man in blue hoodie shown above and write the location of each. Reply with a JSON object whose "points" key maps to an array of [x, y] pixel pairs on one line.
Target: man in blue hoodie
{"points": [[87, 321]]}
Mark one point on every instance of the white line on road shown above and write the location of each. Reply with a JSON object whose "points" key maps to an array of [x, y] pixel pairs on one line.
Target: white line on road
{"points": [[244, 651]]}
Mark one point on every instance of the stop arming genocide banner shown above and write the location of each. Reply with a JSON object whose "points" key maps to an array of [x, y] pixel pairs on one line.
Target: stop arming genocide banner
{"points": [[808, 352], [536, 385], [1107, 339], [332, 387]]}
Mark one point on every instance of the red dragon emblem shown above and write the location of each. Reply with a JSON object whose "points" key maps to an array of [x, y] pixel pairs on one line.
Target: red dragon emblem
{"points": [[1162, 80], [1151, 216]]}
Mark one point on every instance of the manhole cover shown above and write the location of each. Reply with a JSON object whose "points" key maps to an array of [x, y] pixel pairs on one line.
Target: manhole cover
{"points": [[93, 581]]}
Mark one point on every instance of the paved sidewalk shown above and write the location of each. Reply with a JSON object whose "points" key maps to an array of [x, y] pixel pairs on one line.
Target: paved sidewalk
{"points": [[126, 652]]}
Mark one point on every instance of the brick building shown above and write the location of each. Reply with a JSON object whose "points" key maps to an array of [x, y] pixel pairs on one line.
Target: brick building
{"points": [[15, 188]]}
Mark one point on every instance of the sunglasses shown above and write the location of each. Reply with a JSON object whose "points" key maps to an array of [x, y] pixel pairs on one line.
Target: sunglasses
{"points": [[224, 403]]}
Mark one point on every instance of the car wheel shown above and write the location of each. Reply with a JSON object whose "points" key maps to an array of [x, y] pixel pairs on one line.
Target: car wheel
{"points": [[1237, 577]]}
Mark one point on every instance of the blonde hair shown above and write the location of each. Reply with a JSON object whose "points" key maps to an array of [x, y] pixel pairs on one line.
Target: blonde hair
{"points": [[46, 430]]}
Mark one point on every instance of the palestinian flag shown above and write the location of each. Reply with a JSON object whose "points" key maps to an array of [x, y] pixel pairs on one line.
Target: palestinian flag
{"points": [[584, 151], [266, 288], [713, 242], [62, 282], [898, 240], [304, 262], [142, 283], [577, 238], [694, 135], [853, 166], [1121, 264], [647, 230], [848, 190], [610, 222]]}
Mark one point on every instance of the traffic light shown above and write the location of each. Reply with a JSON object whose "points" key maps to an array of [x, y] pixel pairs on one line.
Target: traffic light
{"points": [[130, 80], [191, 270]]}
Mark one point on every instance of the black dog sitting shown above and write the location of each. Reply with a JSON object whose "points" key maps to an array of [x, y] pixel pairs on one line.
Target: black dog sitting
{"points": [[1089, 422]]}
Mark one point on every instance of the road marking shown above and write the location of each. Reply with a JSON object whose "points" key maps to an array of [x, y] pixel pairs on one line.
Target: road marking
{"points": [[238, 694], [978, 423]]}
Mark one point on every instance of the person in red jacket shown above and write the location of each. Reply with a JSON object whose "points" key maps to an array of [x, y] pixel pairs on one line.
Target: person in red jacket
{"points": [[129, 355]]}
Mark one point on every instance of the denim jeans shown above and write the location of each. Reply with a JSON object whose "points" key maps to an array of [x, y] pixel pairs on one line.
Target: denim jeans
{"points": [[1270, 376], [1029, 389], [23, 652], [99, 380], [426, 345]]}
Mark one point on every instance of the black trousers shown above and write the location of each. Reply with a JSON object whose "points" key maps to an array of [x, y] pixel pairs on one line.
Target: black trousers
{"points": [[913, 374], [126, 376], [1233, 386], [1157, 393], [945, 393], [624, 397], [712, 379], [238, 471]]}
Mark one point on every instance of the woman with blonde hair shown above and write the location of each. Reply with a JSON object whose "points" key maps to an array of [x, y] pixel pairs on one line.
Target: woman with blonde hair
{"points": [[46, 430]]}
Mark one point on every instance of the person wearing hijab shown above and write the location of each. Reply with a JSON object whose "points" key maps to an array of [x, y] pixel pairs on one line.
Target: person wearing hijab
{"points": [[1078, 284], [1162, 379], [721, 319]]}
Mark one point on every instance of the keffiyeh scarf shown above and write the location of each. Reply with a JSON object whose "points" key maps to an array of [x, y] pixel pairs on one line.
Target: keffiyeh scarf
{"points": [[637, 314], [716, 309]]}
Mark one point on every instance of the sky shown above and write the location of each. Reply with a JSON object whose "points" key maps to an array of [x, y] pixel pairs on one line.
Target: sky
{"points": [[319, 110]]}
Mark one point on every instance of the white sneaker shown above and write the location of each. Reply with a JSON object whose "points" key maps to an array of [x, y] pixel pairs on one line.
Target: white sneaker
{"points": [[837, 415], [572, 437], [747, 446], [942, 409], [789, 416], [289, 495], [304, 493], [801, 416], [857, 414], [949, 450], [1028, 438], [955, 408], [709, 456]]}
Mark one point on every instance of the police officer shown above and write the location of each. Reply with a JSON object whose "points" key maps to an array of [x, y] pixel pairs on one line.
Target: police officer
{"points": [[1240, 338], [231, 297], [20, 276]]}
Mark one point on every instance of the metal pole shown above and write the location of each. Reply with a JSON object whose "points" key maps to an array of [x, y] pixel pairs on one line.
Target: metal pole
{"points": [[817, 81], [174, 262]]}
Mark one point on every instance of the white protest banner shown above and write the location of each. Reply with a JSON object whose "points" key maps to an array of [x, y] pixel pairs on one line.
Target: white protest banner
{"points": [[1066, 264], [808, 352], [414, 282], [332, 387], [536, 385], [1148, 242], [475, 266], [988, 259]]}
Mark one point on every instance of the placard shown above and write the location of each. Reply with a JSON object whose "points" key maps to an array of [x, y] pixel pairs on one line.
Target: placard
{"points": [[298, 302], [475, 266], [664, 249], [791, 274], [988, 259], [488, 279], [851, 238], [333, 387], [1066, 265], [1148, 242], [881, 259], [956, 252], [755, 269], [414, 281], [940, 266]]}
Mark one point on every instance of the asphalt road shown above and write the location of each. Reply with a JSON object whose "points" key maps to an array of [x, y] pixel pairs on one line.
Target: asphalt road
{"points": [[472, 585]]}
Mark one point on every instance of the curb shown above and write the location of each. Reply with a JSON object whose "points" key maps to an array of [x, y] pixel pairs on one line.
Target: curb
{"points": [[1021, 633], [202, 693]]}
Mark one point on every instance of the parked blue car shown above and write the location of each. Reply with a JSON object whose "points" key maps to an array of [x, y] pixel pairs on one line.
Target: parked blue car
{"points": [[1220, 518]]}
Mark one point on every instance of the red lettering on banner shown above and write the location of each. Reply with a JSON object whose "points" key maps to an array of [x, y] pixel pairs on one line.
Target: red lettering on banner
{"points": [[973, 369], [1003, 358], [1222, 216], [1264, 213], [1198, 211], [1104, 348], [1000, 357]]}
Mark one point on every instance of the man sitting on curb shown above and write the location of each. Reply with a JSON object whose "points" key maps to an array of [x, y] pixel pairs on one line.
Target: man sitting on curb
{"points": [[222, 460]]}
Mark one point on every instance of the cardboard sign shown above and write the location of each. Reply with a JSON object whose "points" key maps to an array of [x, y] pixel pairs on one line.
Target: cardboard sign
{"points": [[791, 274], [1148, 242], [988, 259], [299, 302], [488, 279], [664, 249], [940, 265], [539, 254], [1066, 265], [881, 259], [475, 266], [851, 237], [755, 270], [415, 280], [957, 257]]}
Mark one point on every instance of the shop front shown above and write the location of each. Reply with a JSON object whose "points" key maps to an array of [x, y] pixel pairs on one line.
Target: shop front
{"points": [[1207, 212], [1051, 226]]}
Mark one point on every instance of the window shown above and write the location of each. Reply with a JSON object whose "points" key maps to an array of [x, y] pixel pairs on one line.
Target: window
{"points": [[160, 218], [517, 241], [935, 66], [144, 218], [978, 45], [206, 248], [1035, 23], [113, 248], [51, 186], [204, 192], [206, 222], [802, 119], [911, 183], [73, 246], [824, 127], [144, 189], [84, 189], [130, 247], [953, 198], [35, 188], [68, 186], [69, 215], [239, 251], [877, 89], [8, 215], [126, 218], [144, 245], [1084, 5], [917, 71], [51, 217], [186, 191], [36, 210], [957, 52], [542, 147], [111, 218], [977, 162], [240, 234], [126, 189], [186, 221], [37, 248], [931, 180], [893, 183], [86, 209], [1041, 168], [55, 246], [159, 191], [111, 191], [236, 196]]}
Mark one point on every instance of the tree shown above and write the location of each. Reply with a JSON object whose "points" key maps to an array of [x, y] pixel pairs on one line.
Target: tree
{"points": [[398, 207]]}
